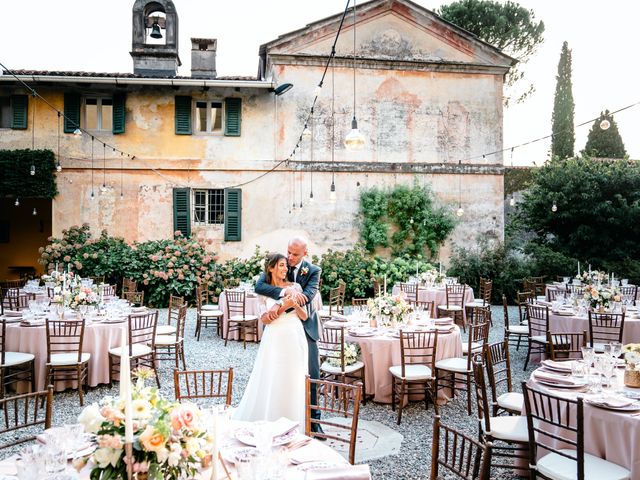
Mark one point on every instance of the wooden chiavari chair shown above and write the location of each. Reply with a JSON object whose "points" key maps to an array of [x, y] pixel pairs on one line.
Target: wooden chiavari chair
{"points": [[24, 413], [332, 345], [206, 312], [194, 385], [136, 299], [504, 399], [237, 318], [566, 346], [455, 297], [605, 328], [513, 332], [538, 327], [14, 366], [175, 303], [411, 292], [128, 285], [485, 290], [171, 347], [336, 302]]}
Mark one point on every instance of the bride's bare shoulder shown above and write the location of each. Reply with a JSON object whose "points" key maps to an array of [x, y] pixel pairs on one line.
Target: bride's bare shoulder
{"points": [[294, 285]]}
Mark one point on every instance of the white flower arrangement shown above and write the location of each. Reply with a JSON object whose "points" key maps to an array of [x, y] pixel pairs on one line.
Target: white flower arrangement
{"points": [[600, 295], [84, 296], [351, 355], [594, 276], [632, 355], [430, 277], [389, 309]]}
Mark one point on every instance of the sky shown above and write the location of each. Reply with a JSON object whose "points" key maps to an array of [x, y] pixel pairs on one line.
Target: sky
{"points": [[92, 35]]}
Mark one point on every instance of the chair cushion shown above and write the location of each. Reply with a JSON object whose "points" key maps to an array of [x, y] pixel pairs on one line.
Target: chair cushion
{"points": [[510, 429], [246, 318], [519, 329], [412, 372], [324, 313], [475, 347], [477, 302], [450, 308], [16, 358], [59, 359], [326, 367], [455, 364], [167, 339], [561, 468], [165, 329], [210, 307], [211, 313], [137, 350], [512, 401], [539, 339]]}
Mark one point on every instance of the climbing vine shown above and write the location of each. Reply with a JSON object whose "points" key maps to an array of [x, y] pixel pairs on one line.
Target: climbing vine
{"points": [[16, 179], [404, 218]]}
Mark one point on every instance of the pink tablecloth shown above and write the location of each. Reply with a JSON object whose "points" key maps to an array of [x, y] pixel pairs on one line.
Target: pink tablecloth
{"points": [[437, 295], [252, 302], [614, 436], [565, 324], [98, 339], [381, 352]]}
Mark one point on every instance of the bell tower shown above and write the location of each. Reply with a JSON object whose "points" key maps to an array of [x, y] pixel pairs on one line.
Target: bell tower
{"points": [[154, 46]]}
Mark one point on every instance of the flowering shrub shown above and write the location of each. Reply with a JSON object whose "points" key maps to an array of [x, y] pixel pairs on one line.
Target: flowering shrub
{"points": [[170, 440], [233, 271], [389, 309]]}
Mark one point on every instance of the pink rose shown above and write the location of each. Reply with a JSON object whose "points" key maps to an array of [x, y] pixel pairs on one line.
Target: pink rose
{"points": [[185, 416]]}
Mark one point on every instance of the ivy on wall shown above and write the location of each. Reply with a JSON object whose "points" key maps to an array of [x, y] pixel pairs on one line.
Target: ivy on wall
{"points": [[517, 179], [404, 218], [15, 173]]}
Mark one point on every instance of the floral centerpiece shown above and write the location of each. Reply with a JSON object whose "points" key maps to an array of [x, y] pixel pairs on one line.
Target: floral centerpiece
{"points": [[81, 296], [430, 277], [351, 355], [592, 277], [601, 296], [170, 441], [389, 310], [632, 359], [59, 279]]}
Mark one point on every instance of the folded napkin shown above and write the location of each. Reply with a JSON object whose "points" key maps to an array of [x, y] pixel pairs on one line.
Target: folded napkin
{"points": [[12, 313], [443, 320], [544, 303], [612, 402], [338, 317], [311, 452], [362, 331], [138, 309], [282, 426], [546, 377], [562, 366], [346, 472]]}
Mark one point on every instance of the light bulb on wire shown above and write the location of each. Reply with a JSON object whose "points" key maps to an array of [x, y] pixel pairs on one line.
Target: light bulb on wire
{"points": [[512, 201], [605, 124], [33, 170], [35, 212], [460, 211], [354, 139], [554, 207], [332, 193], [17, 202], [306, 132], [58, 167], [311, 199], [77, 132]]}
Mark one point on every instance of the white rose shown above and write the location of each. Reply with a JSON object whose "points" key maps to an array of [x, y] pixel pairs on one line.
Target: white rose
{"points": [[174, 455], [632, 357], [91, 419], [105, 456], [192, 446], [162, 455]]}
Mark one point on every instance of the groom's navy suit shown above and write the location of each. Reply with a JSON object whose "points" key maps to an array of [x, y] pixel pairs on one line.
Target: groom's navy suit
{"points": [[308, 278]]}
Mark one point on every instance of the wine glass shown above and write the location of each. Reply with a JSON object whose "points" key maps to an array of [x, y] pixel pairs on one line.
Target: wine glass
{"points": [[587, 355], [616, 349]]}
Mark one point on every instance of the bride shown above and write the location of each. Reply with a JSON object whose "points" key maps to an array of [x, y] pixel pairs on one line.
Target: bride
{"points": [[276, 387]]}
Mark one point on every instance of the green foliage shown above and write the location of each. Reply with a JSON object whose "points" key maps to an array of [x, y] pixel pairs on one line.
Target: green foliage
{"points": [[598, 212], [605, 143], [507, 26], [16, 179], [517, 179], [233, 271], [564, 137], [506, 267], [405, 219]]}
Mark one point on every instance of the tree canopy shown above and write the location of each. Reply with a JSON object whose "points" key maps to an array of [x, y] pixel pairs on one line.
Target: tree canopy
{"points": [[507, 26], [564, 136], [604, 139]]}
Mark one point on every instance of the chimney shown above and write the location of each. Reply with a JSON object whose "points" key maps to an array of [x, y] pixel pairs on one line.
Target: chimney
{"points": [[203, 57]]}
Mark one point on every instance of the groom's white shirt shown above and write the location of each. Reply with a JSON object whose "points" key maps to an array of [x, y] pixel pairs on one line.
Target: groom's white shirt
{"points": [[296, 269]]}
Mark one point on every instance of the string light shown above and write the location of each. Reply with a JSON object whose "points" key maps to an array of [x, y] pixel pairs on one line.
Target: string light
{"points": [[33, 170], [554, 207], [92, 194], [17, 202], [512, 201], [354, 139], [35, 212], [605, 124], [103, 189], [58, 166]]}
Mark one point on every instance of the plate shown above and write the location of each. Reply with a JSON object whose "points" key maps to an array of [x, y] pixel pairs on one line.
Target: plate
{"points": [[363, 333], [305, 467], [576, 383], [553, 366], [565, 313], [245, 436], [633, 407], [233, 454]]}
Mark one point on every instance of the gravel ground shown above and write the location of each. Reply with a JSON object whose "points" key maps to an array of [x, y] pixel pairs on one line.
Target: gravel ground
{"points": [[415, 457]]}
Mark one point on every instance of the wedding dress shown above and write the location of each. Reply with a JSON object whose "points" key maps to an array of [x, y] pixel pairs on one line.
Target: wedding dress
{"points": [[276, 387]]}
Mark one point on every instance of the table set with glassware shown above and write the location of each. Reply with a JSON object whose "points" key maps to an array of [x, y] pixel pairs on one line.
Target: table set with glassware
{"points": [[611, 408], [380, 345], [246, 451], [26, 333], [435, 293]]}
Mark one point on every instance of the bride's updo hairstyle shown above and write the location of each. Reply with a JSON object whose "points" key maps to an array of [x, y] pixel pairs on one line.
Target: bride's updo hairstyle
{"points": [[271, 261]]}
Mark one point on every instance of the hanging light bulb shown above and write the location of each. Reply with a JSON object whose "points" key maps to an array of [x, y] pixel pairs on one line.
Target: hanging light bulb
{"points": [[103, 188], [33, 170], [354, 139], [317, 90], [512, 202], [460, 211], [306, 132], [605, 124], [77, 132], [35, 212], [332, 193], [411, 220], [58, 167], [92, 195], [554, 207], [311, 199], [17, 202]]}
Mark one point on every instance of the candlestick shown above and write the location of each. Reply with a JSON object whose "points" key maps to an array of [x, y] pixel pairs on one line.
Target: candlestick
{"points": [[589, 269], [128, 459], [578, 268], [385, 283], [215, 451], [125, 388]]}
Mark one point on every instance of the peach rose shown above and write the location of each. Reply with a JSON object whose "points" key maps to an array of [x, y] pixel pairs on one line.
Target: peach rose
{"points": [[185, 416], [152, 440]]}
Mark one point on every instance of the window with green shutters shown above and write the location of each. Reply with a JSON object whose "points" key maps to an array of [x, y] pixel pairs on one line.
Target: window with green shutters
{"points": [[72, 105], [119, 113], [183, 115], [232, 214], [233, 117], [19, 111], [182, 211]]}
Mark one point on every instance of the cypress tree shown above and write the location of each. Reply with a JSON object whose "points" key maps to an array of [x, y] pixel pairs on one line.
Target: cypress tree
{"points": [[563, 139], [604, 139]]}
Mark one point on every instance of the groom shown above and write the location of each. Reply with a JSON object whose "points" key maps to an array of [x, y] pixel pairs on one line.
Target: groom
{"points": [[308, 276]]}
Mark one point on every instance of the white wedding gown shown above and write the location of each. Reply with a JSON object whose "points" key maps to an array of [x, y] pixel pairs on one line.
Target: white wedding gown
{"points": [[276, 387]]}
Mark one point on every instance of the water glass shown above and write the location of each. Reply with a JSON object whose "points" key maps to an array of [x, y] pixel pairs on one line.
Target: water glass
{"points": [[588, 355], [595, 383], [624, 282], [26, 470], [263, 437], [55, 458], [616, 349], [578, 368], [245, 468]]}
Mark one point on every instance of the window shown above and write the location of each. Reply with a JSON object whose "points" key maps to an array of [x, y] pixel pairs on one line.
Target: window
{"points": [[5, 112], [208, 206], [209, 117], [98, 113]]}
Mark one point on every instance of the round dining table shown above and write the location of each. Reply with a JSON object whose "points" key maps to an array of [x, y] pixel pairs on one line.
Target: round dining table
{"points": [[382, 350], [437, 295], [98, 339], [561, 322]]}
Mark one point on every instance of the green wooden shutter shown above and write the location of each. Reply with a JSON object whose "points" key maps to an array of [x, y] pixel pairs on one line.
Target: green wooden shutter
{"points": [[119, 113], [19, 111], [182, 211], [232, 214], [233, 116], [71, 112], [183, 115]]}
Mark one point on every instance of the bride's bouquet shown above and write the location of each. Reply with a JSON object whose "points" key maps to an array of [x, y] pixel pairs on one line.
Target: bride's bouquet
{"points": [[351, 356], [389, 310]]}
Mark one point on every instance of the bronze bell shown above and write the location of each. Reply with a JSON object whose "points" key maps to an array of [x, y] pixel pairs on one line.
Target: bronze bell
{"points": [[155, 30]]}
